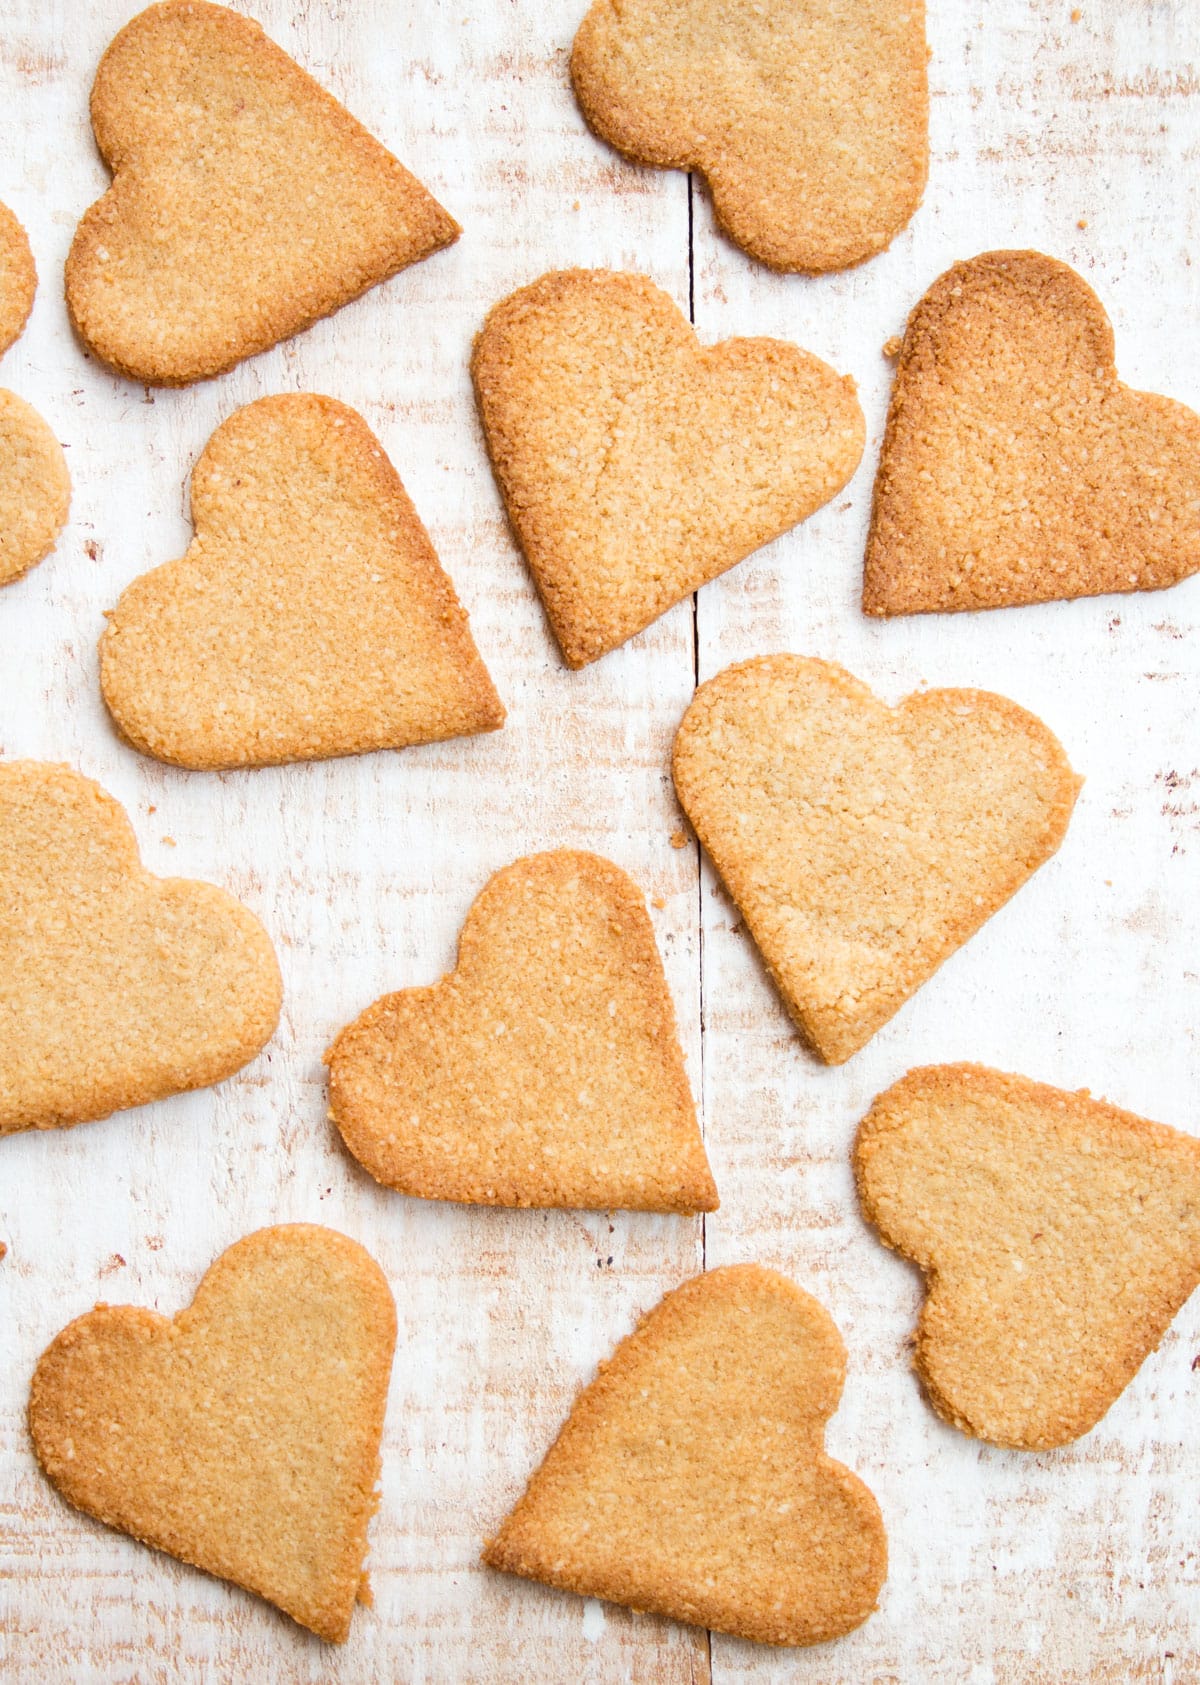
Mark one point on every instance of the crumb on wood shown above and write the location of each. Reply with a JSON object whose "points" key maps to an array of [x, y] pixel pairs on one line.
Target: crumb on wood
{"points": [[1082, 223], [1076, 15], [1196, 1362], [3, 1251], [659, 901], [169, 842], [678, 839], [891, 347]]}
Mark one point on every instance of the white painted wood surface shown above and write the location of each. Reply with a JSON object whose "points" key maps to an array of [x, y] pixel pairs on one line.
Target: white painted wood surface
{"points": [[1068, 1567]]}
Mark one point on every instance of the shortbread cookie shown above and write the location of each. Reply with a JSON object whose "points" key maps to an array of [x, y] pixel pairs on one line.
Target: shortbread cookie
{"points": [[245, 203], [310, 615], [116, 987], [863, 843], [808, 117], [1058, 1236], [691, 1477], [637, 464], [35, 488], [544, 1070], [18, 278], [243, 1434], [1016, 467]]}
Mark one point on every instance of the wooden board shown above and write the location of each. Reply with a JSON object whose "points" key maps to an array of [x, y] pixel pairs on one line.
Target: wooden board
{"points": [[1067, 1567]]}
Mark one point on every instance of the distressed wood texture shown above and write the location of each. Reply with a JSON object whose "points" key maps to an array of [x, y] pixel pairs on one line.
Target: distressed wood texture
{"points": [[1067, 1567]]}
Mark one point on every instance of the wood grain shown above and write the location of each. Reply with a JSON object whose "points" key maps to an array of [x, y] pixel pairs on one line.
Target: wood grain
{"points": [[1074, 1566]]}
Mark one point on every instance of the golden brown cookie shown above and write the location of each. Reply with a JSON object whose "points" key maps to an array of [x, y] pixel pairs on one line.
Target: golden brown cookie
{"points": [[809, 118], [637, 464], [245, 203], [116, 987], [863, 843], [691, 1479], [544, 1070], [35, 488], [1016, 467], [18, 278], [242, 1435], [1058, 1236], [310, 615]]}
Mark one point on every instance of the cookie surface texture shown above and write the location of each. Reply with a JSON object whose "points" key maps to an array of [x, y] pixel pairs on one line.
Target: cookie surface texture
{"points": [[35, 488], [1058, 1236], [544, 1070], [691, 1479], [245, 202], [637, 464], [1016, 468], [116, 987], [862, 843], [809, 118], [243, 1435], [18, 278], [310, 615]]}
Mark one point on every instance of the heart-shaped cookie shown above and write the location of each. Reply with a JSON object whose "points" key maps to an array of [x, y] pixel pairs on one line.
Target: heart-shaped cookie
{"points": [[637, 464], [35, 488], [863, 843], [243, 1435], [1058, 1236], [1016, 467], [116, 987], [691, 1479], [245, 203], [310, 615], [809, 118], [18, 278], [544, 1070]]}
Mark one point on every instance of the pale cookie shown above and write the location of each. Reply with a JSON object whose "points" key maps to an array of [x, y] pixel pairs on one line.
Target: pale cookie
{"points": [[310, 615], [691, 1479], [637, 464], [1016, 467], [1058, 1236], [245, 203], [242, 1435], [863, 844], [116, 987], [545, 1069], [809, 118], [18, 278], [35, 488]]}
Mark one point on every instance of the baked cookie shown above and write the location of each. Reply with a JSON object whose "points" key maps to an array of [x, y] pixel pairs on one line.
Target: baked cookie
{"points": [[116, 987], [1058, 1236], [544, 1070], [863, 844], [310, 615], [1016, 467], [809, 118], [637, 464], [242, 1435], [691, 1479], [35, 488], [18, 278], [245, 203]]}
